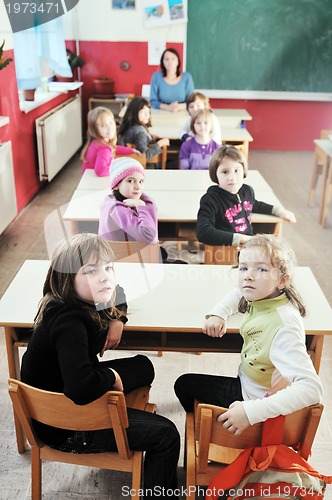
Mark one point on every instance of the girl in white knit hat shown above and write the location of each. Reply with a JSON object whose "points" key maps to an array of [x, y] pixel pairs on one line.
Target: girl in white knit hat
{"points": [[128, 214]]}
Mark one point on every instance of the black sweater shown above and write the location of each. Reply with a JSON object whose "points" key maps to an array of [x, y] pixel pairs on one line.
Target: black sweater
{"points": [[62, 357], [222, 214]]}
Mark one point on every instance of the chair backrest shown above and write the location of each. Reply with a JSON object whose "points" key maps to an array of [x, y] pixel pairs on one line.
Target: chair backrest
{"points": [[146, 90], [226, 255], [324, 134], [161, 158], [136, 251], [141, 158], [55, 409], [215, 443]]}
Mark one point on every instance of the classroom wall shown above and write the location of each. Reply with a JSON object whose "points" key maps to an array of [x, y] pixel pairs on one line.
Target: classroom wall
{"points": [[105, 37]]}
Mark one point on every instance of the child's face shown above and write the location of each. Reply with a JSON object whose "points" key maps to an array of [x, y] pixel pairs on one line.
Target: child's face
{"points": [[202, 127], [257, 278], [195, 106], [95, 283], [132, 186], [144, 115], [106, 127], [230, 175]]}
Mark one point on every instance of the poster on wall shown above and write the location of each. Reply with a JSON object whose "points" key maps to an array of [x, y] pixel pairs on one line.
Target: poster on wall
{"points": [[123, 4], [163, 12]]}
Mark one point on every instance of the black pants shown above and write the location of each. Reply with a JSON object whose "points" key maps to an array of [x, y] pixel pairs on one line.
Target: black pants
{"points": [[154, 434], [211, 389]]}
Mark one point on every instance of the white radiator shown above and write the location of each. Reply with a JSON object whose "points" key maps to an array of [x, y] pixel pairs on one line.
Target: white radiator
{"points": [[59, 136], [8, 207]]}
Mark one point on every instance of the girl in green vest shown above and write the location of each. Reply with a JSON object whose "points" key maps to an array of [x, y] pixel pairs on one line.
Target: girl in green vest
{"points": [[276, 375]]}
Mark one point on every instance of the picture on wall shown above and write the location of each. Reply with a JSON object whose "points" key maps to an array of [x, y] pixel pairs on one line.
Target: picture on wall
{"points": [[123, 4], [162, 12]]}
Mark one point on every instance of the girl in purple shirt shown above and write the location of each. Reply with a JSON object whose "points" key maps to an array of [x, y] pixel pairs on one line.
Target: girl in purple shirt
{"points": [[100, 148], [195, 153], [128, 214]]}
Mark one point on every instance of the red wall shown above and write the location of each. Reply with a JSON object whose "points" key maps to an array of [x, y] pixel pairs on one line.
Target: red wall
{"points": [[21, 131], [276, 125]]}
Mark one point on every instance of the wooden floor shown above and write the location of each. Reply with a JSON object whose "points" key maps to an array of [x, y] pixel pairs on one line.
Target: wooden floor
{"points": [[289, 175]]}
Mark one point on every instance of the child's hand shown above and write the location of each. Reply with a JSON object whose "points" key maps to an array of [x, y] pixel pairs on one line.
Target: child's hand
{"points": [[113, 336], [133, 202], [163, 142], [235, 419], [244, 238], [214, 326], [286, 215], [136, 151]]}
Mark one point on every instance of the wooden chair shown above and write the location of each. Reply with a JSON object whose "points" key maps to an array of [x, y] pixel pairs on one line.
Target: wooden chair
{"points": [[155, 160], [141, 158], [136, 251], [320, 168], [226, 255], [210, 447], [51, 408]]}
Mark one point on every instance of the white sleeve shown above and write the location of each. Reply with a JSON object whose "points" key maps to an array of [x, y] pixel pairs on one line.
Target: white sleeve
{"points": [[185, 129], [227, 306], [216, 132], [289, 355]]}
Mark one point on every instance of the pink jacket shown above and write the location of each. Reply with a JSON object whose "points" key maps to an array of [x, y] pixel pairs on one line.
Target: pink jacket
{"points": [[118, 222], [99, 157]]}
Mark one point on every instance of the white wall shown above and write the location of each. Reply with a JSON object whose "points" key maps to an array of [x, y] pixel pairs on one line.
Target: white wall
{"points": [[5, 28], [98, 21]]}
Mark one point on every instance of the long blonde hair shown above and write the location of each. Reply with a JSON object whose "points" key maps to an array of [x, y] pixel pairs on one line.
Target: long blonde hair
{"points": [[92, 132], [67, 259], [282, 258]]}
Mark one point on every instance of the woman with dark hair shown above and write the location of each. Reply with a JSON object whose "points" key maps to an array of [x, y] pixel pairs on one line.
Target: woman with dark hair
{"points": [[134, 128], [170, 87]]}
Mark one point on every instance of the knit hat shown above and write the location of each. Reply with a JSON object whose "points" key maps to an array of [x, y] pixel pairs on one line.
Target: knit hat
{"points": [[122, 167]]}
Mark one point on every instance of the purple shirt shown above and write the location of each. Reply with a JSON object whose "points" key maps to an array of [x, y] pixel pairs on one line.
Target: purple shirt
{"points": [[195, 156]]}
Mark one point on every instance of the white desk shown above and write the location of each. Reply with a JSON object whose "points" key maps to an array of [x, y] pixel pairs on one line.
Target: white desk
{"points": [[161, 298], [175, 207], [167, 304], [171, 180], [228, 118]]}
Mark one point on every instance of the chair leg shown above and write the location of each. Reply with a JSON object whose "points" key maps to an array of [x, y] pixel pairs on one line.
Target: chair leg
{"points": [[314, 179], [137, 474], [36, 474], [190, 457]]}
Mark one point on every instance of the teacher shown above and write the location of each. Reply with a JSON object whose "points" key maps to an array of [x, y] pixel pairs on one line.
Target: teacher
{"points": [[170, 87]]}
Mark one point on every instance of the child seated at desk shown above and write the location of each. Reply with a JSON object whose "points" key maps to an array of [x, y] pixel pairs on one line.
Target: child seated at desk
{"points": [[100, 148], [195, 154], [128, 214], [276, 375], [194, 102], [224, 216], [134, 128]]}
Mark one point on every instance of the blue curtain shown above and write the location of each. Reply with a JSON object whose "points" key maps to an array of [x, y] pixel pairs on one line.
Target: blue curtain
{"points": [[43, 44]]}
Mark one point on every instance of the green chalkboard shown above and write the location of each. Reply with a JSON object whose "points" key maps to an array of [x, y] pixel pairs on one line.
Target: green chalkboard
{"points": [[281, 45]]}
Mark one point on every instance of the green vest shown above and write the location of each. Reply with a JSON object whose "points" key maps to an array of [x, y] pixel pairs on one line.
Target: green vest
{"points": [[258, 331]]}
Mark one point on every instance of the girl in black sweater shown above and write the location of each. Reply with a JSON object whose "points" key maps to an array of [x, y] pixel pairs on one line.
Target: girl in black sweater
{"points": [[76, 321]]}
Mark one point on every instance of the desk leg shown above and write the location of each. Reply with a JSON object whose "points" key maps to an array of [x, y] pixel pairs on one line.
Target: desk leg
{"points": [[318, 165], [278, 228], [327, 196], [315, 350], [14, 372], [325, 175]]}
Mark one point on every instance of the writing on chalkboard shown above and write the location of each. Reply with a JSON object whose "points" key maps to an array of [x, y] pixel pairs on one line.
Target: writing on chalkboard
{"points": [[276, 45]]}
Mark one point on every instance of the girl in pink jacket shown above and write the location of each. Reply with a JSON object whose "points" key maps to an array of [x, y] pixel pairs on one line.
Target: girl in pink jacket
{"points": [[100, 148]]}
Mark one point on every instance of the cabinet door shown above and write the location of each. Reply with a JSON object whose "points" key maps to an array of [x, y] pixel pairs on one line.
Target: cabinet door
{"points": [[8, 206]]}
